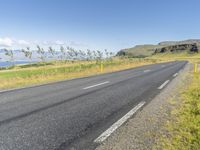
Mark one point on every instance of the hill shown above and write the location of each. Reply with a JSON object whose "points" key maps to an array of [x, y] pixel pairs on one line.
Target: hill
{"points": [[139, 50], [189, 46]]}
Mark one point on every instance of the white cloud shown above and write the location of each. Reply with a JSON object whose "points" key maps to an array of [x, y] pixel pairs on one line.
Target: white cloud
{"points": [[59, 42], [23, 42], [6, 42], [10, 42], [16, 43], [45, 42], [73, 43]]}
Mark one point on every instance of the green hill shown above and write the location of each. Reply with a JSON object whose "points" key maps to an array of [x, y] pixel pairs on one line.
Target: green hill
{"points": [[188, 46], [139, 50]]}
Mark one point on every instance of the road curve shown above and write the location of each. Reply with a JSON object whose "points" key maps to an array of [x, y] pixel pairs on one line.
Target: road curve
{"points": [[77, 112]]}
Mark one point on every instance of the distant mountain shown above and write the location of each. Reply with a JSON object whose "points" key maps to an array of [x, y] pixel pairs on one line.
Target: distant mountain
{"points": [[190, 41], [190, 46]]}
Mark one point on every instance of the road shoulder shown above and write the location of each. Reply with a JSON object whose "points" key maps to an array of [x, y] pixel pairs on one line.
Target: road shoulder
{"points": [[140, 132]]}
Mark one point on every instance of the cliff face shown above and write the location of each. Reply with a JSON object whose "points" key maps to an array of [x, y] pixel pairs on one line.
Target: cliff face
{"points": [[191, 48]]}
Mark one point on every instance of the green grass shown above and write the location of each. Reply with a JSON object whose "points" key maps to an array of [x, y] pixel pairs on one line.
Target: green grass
{"points": [[183, 130], [195, 57], [38, 73], [45, 71], [141, 50]]}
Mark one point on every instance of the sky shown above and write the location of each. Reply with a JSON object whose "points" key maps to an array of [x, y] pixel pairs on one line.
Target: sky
{"points": [[96, 24]]}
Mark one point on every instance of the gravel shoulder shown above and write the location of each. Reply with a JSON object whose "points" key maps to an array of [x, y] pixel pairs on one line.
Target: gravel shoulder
{"points": [[140, 132]]}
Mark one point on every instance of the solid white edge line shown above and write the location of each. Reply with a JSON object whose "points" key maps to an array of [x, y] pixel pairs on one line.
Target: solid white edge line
{"points": [[175, 74], [163, 85], [88, 87], [117, 124]]}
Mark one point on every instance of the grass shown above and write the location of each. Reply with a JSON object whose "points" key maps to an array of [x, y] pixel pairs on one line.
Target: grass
{"points": [[141, 50], [182, 132], [39, 73], [193, 58]]}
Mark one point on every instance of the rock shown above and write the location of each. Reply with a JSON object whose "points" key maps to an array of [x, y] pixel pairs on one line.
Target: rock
{"points": [[191, 48]]}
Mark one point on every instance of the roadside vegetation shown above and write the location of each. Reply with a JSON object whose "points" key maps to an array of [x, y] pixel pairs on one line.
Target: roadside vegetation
{"points": [[67, 64], [193, 58], [182, 130]]}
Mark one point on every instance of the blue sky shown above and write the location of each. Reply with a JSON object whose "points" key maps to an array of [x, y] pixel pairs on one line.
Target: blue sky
{"points": [[97, 24]]}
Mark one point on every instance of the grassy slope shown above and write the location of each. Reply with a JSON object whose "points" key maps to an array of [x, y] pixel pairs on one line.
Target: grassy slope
{"points": [[183, 130], [148, 50], [142, 50], [26, 75], [177, 56]]}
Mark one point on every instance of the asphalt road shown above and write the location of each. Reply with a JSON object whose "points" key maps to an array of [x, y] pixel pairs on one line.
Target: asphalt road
{"points": [[74, 113]]}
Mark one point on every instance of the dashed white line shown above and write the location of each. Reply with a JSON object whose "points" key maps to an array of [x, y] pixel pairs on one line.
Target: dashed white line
{"points": [[163, 85], [147, 70], [163, 66], [95, 85], [175, 74], [117, 124]]}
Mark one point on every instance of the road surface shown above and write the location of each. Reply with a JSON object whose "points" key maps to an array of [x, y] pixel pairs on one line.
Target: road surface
{"points": [[79, 113]]}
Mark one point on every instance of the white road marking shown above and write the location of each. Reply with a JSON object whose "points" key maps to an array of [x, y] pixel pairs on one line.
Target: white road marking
{"points": [[147, 70], [117, 124], [95, 85], [163, 85], [163, 66], [175, 74]]}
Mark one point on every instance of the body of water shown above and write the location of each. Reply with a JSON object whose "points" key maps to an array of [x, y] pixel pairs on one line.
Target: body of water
{"points": [[7, 64]]}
